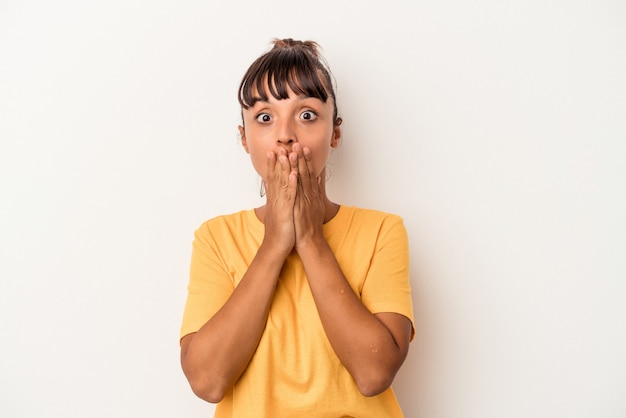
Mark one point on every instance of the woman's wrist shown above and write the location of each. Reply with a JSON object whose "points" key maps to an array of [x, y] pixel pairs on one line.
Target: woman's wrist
{"points": [[273, 250], [314, 246]]}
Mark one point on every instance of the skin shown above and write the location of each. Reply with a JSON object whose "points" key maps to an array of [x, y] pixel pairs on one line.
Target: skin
{"points": [[289, 142]]}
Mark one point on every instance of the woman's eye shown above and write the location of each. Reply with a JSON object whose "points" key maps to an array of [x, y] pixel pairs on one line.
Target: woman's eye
{"points": [[264, 118], [308, 115]]}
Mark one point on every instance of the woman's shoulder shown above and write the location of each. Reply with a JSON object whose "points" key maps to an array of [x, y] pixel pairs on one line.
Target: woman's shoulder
{"points": [[367, 225], [229, 220], [362, 213], [360, 219]]}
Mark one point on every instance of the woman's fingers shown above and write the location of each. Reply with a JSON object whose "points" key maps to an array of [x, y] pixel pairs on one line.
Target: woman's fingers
{"points": [[288, 177], [281, 183], [287, 172], [308, 162], [281, 177], [301, 160], [270, 173], [309, 205]]}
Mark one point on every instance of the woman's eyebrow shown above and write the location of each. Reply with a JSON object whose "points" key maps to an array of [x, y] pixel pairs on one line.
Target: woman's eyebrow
{"points": [[300, 97], [257, 99]]}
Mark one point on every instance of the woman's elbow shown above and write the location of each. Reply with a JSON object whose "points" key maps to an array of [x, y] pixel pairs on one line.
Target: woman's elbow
{"points": [[374, 384], [204, 382], [207, 390]]}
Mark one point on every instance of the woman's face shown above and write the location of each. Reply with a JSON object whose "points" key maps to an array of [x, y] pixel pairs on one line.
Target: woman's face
{"points": [[278, 124]]}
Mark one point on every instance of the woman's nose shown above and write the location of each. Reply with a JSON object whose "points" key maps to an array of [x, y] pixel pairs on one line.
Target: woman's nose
{"points": [[285, 133]]}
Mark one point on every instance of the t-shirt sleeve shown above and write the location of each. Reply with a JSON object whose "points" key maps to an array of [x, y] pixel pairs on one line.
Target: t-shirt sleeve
{"points": [[387, 286], [210, 282]]}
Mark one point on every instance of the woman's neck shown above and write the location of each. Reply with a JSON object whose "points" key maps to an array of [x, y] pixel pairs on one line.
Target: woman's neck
{"points": [[330, 210]]}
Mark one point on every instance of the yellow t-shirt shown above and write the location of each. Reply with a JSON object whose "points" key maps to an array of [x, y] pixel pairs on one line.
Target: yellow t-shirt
{"points": [[294, 371]]}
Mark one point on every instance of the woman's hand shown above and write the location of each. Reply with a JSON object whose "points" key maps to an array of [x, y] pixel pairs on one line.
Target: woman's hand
{"points": [[371, 347], [280, 188], [309, 208], [214, 358]]}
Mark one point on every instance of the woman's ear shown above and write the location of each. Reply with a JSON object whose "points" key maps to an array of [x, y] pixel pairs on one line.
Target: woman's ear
{"points": [[335, 140], [242, 135]]}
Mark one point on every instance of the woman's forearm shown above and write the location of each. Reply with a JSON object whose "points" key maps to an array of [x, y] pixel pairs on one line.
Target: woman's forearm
{"points": [[371, 347], [214, 357]]}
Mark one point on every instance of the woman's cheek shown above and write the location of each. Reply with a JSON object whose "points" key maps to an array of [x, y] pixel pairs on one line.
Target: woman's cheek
{"points": [[259, 162], [319, 161]]}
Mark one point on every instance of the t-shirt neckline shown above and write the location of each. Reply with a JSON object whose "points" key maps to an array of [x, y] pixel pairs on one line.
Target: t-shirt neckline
{"points": [[258, 227]]}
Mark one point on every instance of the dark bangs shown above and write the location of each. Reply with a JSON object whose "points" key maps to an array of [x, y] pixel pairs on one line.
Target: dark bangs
{"points": [[282, 69]]}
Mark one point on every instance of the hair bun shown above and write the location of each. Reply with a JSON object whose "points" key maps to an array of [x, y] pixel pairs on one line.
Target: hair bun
{"points": [[288, 43]]}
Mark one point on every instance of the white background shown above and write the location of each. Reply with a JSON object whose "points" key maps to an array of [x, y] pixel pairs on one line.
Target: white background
{"points": [[495, 128]]}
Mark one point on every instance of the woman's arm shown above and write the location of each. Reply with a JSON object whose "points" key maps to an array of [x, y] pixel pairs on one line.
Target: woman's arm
{"points": [[371, 347], [216, 355]]}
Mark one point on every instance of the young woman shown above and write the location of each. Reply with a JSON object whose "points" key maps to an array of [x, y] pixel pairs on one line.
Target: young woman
{"points": [[301, 307]]}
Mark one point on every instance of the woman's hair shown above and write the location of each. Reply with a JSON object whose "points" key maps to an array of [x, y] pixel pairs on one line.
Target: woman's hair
{"points": [[290, 64]]}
